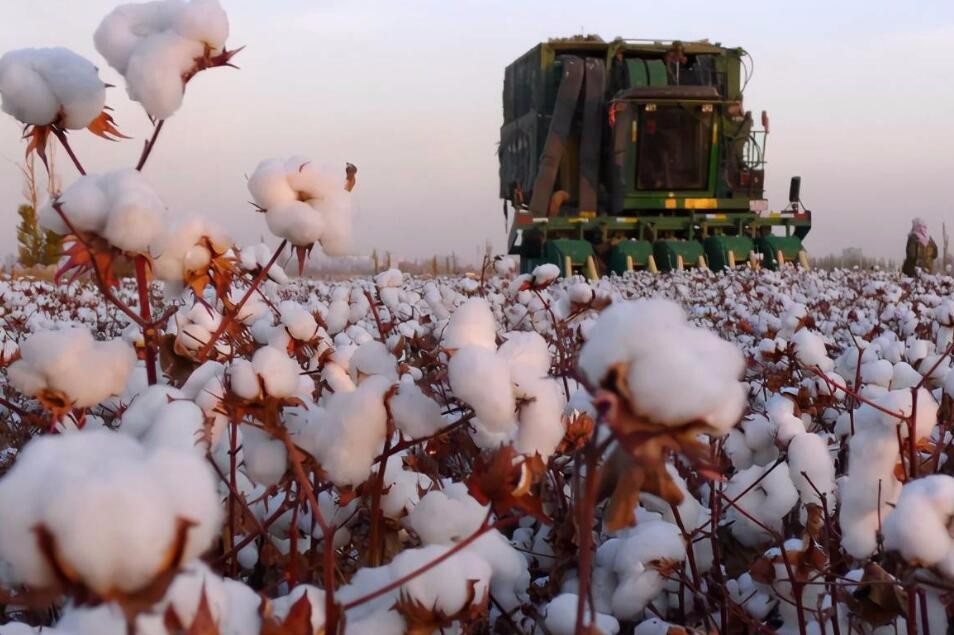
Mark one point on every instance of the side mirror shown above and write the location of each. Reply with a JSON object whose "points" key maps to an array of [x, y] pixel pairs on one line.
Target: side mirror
{"points": [[794, 189]]}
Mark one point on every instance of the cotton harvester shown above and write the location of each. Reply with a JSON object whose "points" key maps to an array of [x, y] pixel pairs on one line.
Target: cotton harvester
{"points": [[636, 154]]}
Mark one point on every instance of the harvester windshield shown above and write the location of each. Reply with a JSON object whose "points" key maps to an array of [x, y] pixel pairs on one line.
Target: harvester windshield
{"points": [[674, 143]]}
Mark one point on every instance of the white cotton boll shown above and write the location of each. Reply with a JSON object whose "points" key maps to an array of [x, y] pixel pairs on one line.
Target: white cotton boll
{"points": [[781, 413], [43, 86], [180, 251], [878, 372], [415, 414], [155, 70], [472, 324], [281, 606], [60, 361], [510, 577], [810, 350], [918, 525], [744, 592], [373, 358], [541, 426], [527, 350], [447, 586], [812, 469], [301, 324], [266, 458], [380, 622], [178, 425], [402, 488], [279, 373], [649, 542], [615, 335], [690, 377], [126, 26], [350, 432], [904, 376], [58, 479], [136, 213], [269, 185], [297, 222], [84, 204], [580, 293], [481, 379], [766, 494], [448, 516], [142, 411], [561, 617], [105, 619], [204, 21], [545, 274], [243, 380]]}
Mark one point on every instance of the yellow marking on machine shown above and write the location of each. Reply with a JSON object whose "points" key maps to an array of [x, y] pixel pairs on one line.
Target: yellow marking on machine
{"points": [[634, 131], [701, 203], [670, 203]]}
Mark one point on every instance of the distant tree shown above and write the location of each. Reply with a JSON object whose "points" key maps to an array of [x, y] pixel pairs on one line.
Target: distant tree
{"points": [[36, 246]]}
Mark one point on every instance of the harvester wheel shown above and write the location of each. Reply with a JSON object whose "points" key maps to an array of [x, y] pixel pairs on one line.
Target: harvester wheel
{"points": [[591, 273], [803, 259], [651, 264]]}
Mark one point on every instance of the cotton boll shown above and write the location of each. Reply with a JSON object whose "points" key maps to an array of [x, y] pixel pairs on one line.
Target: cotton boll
{"points": [[60, 361], [269, 185], [155, 70], [766, 494], [301, 324], [142, 411], [350, 432], [541, 426], [561, 617], [57, 479], [481, 379], [918, 525], [178, 425], [204, 21], [810, 350], [373, 358], [297, 222], [527, 350], [277, 371], [84, 204], [266, 458], [444, 517], [402, 488], [126, 26], [472, 324], [812, 469], [447, 586], [53, 85], [650, 542], [415, 414], [316, 598], [781, 413]]}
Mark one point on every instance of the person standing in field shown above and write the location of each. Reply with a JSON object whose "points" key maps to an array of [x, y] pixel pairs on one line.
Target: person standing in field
{"points": [[921, 251]]}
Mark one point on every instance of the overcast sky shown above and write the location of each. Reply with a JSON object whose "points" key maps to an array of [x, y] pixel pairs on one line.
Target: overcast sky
{"points": [[860, 94]]}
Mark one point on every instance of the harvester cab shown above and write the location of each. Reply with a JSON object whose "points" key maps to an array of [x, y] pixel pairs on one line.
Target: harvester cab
{"points": [[630, 154]]}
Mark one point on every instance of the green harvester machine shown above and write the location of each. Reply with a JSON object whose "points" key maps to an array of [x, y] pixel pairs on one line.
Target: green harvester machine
{"points": [[635, 154]]}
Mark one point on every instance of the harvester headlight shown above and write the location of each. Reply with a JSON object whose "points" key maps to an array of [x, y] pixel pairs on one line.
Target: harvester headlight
{"points": [[758, 205]]}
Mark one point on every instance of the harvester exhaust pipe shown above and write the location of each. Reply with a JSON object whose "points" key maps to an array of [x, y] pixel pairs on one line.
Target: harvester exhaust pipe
{"points": [[794, 192]]}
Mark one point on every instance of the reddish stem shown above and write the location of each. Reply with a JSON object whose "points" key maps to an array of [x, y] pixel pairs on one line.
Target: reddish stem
{"points": [[148, 331]]}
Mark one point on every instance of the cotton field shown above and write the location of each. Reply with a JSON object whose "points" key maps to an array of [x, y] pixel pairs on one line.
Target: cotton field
{"points": [[195, 441], [751, 450]]}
